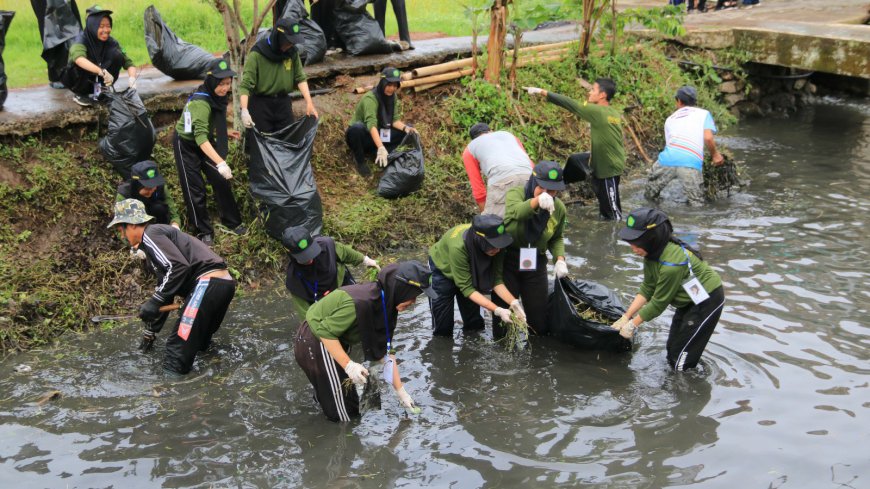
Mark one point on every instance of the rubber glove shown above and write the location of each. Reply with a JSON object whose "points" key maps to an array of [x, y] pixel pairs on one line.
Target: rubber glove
{"points": [[137, 253], [149, 311], [534, 90], [619, 323], [518, 310], [224, 170], [502, 314], [108, 79], [627, 330], [147, 342], [371, 263], [246, 119], [560, 269], [546, 202], [404, 399], [381, 159], [356, 372]]}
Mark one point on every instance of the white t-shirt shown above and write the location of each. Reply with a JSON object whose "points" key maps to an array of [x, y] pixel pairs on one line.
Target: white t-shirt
{"points": [[684, 137]]}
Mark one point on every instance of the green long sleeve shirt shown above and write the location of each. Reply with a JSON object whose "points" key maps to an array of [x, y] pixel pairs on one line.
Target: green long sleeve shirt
{"points": [[345, 255], [263, 76], [367, 111], [608, 150], [663, 284], [451, 257], [200, 118], [334, 318], [79, 50]]}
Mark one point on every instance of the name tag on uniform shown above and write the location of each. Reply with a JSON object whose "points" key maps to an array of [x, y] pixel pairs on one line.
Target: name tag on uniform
{"points": [[98, 89], [388, 370], [188, 123], [695, 290], [528, 259], [385, 135]]}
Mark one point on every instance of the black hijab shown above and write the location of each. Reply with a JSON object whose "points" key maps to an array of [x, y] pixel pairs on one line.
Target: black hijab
{"points": [[656, 239], [536, 224], [270, 46], [322, 274], [481, 264], [386, 104], [99, 52], [218, 121]]}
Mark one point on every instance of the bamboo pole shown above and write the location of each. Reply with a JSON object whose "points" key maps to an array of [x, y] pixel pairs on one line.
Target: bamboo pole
{"points": [[541, 54], [437, 78], [441, 68], [545, 59], [546, 47]]}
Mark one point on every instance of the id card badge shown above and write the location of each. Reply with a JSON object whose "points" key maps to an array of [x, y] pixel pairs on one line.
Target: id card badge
{"points": [[695, 290], [388, 370], [97, 90], [385, 135], [528, 259], [188, 123]]}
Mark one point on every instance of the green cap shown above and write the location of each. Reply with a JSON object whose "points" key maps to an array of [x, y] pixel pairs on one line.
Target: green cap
{"points": [[129, 211]]}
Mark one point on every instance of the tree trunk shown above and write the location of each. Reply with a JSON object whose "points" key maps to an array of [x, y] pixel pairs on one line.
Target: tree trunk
{"points": [[585, 40], [495, 44], [518, 38], [613, 28]]}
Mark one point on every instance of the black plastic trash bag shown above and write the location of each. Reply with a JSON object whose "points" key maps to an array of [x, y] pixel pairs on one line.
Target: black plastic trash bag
{"points": [[130, 136], [171, 55], [5, 20], [568, 326], [313, 48], [360, 32], [356, 6], [61, 26], [281, 178], [405, 170], [293, 9]]}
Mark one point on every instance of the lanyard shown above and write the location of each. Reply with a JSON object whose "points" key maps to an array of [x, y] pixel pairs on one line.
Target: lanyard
{"points": [[307, 285], [687, 262], [386, 321], [193, 95]]}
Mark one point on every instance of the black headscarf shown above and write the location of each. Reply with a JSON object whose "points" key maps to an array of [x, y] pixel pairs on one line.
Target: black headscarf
{"points": [[536, 224], [323, 272], [386, 104], [99, 52], [218, 121], [481, 264], [656, 239], [270, 46]]}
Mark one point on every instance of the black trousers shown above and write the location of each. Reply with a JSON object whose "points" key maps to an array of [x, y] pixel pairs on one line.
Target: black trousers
{"points": [[338, 399], [691, 329], [530, 287], [442, 307], [191, 163], [322, 14], [202, 314], [359, 139], [55, 58], [401, 17], [607, 192], [271, 113]]}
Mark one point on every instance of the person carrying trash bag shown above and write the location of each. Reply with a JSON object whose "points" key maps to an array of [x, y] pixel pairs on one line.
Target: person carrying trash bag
{"points": [[464, 263], [272, 71], [201, 144], [96, 60], [184, 267], [317, 266], [377, 124], [148, 186], [535, 218], [675, 274], [364, 313]]}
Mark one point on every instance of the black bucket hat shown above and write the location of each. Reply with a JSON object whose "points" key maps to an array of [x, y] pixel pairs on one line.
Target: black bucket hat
{"points": [[289, 30], [577, 168], [145, 172], [392, 75], [298, 241], [640, 221], [491, 228], [549, 175], [478, 129], [415, 273]]}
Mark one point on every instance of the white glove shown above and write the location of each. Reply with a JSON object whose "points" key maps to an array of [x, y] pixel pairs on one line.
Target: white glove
{"points": [[546, 202], [619, 323], [381, 159], [137, 253], [560, 269], [224, 170], [108, 79], [518, 310], [132, 83], [502, 314], [627, 330], [404, 399], [371, 263], [534, 90], [356, 372], [246, 119]]}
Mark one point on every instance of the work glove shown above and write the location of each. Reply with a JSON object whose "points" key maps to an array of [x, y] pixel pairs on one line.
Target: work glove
{"points": [[381, 159], [502, 314], [137, 253], [371, 263], [620, 323], [224, 170], [411, 130], [132, 83], [108, 79], [175, 225], [560, 269], [534, 90], [247, 121], [150, 310], [546, 202], [147, 342], [404, 399], [627, 330], [518, 310], [356, 372]]}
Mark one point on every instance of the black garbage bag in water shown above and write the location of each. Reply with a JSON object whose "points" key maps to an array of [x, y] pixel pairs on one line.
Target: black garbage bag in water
{"points": [[60, 28], [359, 31], [171, 55], [567, 325], [281, 178], [5, 20], [405, 170], [130, 136]]}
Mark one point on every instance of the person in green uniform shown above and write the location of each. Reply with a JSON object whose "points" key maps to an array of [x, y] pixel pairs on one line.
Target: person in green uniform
{"points": [[608, 151], [96, 59], [147, 185], [317, 266], [377, 124], [535, 218], [673, 274], [364, 313], [464, 263], [201, 145], [273, 70]]}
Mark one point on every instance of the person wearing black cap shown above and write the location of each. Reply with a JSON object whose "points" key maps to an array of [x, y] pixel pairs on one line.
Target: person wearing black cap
{"points": [[96, 59], [317, 266], [364, 313], [201, 145], [148, 186], [500, 158], [377, 122], [273, 70], [673, 274], [464, 263], [608, 151], [687, 132], [535, 218], [401, 19]]}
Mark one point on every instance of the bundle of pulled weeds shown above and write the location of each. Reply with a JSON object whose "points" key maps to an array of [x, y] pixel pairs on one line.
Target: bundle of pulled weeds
{"points": [[587, 313], [723, 178], [516, 333]]}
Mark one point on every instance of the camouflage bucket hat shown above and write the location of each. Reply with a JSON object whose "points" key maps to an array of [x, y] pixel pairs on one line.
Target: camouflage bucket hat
{"points": [[129, 211]]}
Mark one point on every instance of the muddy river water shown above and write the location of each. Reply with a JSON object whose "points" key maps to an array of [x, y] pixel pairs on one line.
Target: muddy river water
{"points": [[782, 398]]}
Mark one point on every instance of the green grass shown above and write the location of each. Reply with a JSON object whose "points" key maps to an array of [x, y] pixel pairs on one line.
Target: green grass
{"points": [[195, 21]]}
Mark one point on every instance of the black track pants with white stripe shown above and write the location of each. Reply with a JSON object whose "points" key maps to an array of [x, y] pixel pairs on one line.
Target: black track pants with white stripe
{"points": [[691, 329], [607, 191], [338, 399]]}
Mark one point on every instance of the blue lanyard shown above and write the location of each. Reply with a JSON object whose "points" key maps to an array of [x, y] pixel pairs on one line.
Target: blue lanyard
{"points": [[687, 262], [386, 322], [307, 284], [193, 95]]}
